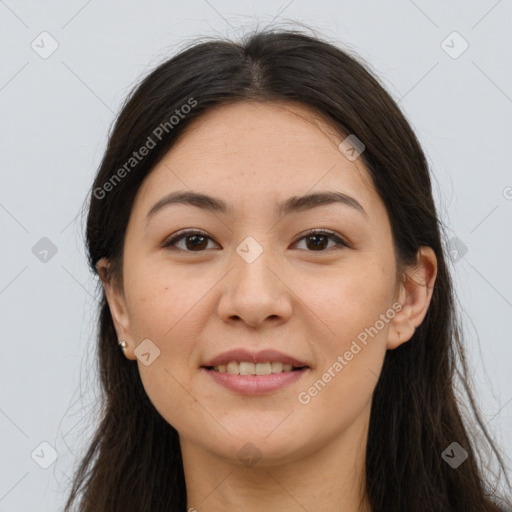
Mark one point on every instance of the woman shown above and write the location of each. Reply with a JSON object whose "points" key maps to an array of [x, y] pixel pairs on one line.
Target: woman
{"points": [[272, 266]]}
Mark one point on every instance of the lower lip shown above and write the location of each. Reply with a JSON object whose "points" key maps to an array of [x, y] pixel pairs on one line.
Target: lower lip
{"points": [[255, 384]]}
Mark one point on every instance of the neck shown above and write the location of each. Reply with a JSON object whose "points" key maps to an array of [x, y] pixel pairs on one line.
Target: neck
{"points": [[331, 477]]}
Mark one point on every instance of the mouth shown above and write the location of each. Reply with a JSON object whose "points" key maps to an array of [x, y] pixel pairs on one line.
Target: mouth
{"points": [[254, 373], [247, 378], [249, 368]]}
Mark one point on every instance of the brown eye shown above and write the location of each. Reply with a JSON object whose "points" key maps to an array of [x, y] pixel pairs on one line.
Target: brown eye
{"points": [[195, 241], [318, 240]]}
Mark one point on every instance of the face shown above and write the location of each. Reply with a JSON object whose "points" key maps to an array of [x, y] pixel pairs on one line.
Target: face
{"points": [[254, 278]]}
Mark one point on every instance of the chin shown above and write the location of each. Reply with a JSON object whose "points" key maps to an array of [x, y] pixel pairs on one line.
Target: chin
{"points": [[261, 446]]}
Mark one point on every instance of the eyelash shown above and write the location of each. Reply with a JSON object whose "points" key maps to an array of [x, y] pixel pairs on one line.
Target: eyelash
{"points": [[330, 234]]}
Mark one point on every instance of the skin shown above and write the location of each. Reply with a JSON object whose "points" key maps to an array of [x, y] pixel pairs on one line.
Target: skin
{"points": [[307, 302]]}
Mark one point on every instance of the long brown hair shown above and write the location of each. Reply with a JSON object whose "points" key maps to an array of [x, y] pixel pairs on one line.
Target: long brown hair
{"points": [[134, 460]]}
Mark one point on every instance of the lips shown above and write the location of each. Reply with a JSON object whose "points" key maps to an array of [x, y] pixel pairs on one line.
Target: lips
{"points": [[263, 356], [244, 372], [255, 384]]}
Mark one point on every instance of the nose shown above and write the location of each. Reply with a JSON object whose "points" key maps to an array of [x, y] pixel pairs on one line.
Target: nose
{"points": [[255, 292]]}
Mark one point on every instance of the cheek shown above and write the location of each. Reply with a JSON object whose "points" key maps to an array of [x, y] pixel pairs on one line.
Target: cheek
{"points": [[166, 309], [167, 313], [163, 303], [356, 308], [354, 299]]}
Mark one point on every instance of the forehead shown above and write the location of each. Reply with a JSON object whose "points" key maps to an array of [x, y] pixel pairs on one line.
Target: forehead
{"points": [[248, 151]]}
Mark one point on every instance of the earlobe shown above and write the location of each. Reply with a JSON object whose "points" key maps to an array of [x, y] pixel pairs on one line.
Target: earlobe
{"points": [[117, 305], [415, 295]]}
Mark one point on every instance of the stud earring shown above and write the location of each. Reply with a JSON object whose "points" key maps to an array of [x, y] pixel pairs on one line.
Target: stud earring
{"points": [[123, 344]]}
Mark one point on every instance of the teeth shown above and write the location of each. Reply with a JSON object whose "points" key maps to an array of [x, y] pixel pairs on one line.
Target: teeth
{"points": [[233, 367], [276, 367], [263, 368], [247, 368]]}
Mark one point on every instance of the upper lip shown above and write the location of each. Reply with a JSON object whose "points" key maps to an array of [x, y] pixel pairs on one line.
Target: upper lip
{"points": [[262, 356]]}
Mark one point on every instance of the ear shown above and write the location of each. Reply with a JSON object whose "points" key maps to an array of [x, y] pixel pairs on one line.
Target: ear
{"points": [[414, 294], [118, 309]]}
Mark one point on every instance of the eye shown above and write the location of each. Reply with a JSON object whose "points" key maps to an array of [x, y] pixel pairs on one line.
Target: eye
{"points": [[197, 238], [319, 239]]}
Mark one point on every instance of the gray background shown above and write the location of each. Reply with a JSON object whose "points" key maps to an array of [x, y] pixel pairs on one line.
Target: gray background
{"points": [[55, 116]]}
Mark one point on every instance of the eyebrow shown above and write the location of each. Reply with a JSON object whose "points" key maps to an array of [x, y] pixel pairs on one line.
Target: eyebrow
{"points": [[292, 204]]}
